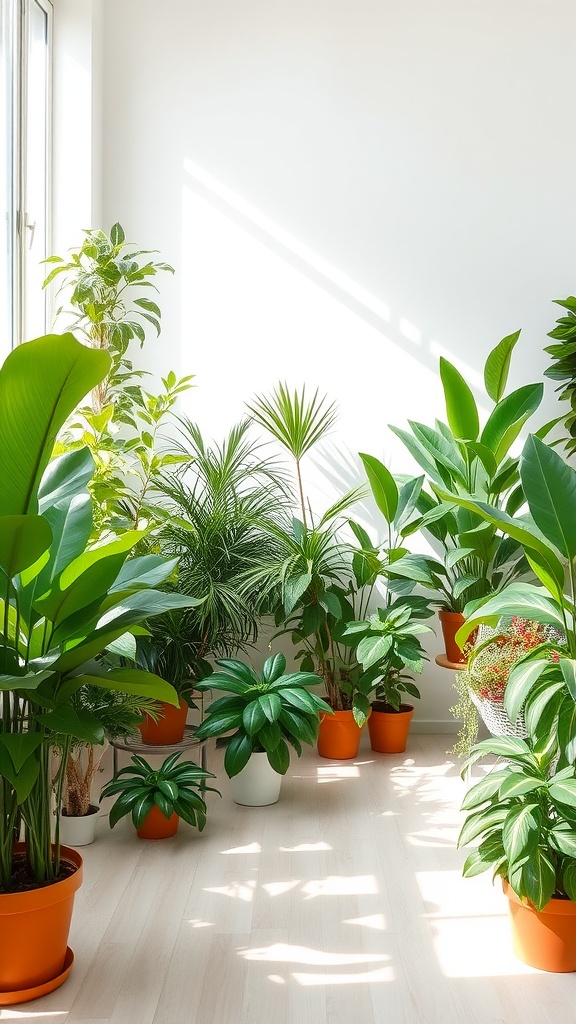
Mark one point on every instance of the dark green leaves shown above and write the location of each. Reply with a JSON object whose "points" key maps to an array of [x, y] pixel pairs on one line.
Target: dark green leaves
{"points": [[550, 488]]}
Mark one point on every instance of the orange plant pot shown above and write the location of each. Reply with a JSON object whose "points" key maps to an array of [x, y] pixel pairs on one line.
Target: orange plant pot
{"points": [[156, 826], [34, 927], [338, 736], [451, 622], [388, 728], [543, 938], [168, 729]]}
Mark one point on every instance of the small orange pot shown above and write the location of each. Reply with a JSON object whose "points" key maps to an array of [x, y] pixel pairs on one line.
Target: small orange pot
{"points": [[543, 938], [338, 736], [388, 728], [451, 622], [168, 729], [34, 927], [156, 826]]}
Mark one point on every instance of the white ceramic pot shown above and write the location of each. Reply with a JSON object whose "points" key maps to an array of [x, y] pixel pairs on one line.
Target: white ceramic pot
{"points": [[257, 784], [79, 831]]}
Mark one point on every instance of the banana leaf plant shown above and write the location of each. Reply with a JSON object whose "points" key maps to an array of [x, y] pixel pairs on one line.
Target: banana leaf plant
{"points": [[543, 682], [62, 602], [474, 557]]}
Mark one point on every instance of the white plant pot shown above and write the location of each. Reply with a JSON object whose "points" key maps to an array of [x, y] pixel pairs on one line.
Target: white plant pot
{"points": [[79, 831], [257, 784]]}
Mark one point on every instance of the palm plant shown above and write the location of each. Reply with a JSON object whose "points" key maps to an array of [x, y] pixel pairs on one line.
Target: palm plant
{"points": [[218, 516], [316, 581]]}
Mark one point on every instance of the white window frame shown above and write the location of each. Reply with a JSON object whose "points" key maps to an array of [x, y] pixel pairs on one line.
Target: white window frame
{"points": [[21, 218]]}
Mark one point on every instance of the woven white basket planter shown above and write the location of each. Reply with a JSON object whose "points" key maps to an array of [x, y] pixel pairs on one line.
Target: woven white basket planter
{"points": [[496, 719]]}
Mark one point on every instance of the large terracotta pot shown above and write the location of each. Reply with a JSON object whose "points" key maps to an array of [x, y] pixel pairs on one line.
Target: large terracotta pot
{"points": [[389, 728], [543, 938], [339, 736], [451, 622], [257, 785], [34, 927], [168, 729], [156, 826]]}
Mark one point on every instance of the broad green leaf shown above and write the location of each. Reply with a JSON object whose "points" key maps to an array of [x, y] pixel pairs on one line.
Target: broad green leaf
{"points": [[498, 365], [539, 878], [481, 822], [382, 485], [271, 705], [522, 599], [550, 488], [65, 477], [41, 383], [273, 668], [144, 571], [520, 682], [373, 649], [20, 746], [568, 670], [517, 784], [563, 792], [237, 754], [508, 417], [520, 831], [279, 758], [81, 725], [23, 540], [253, 717], [483, 790], [563, 838], [134, 680], [461, 410]]}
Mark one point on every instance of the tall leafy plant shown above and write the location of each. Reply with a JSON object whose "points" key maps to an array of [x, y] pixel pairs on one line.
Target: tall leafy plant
{"points": [[465, 458], [563, 367], [106, 282], [62, 602]]}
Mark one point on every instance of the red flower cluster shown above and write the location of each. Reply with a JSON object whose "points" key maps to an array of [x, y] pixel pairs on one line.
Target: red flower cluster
{"points": [[490, 668]]}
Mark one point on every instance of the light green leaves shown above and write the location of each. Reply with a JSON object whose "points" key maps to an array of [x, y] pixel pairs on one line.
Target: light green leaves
{"points": [[497, 367], [382, 485], [461, 410], [550, 488]]}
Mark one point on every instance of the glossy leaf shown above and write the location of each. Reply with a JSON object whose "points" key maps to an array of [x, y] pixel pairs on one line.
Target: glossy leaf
{"points": [[550, 488], [497, 367], [461, 410], [382, 485]]}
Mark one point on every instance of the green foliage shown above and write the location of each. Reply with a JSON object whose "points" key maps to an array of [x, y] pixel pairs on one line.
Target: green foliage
{"points": [[525, 820], [173, 788], [267, 712], [543, 682], [61, 604], [463, 460], [563, 367], [218, 515], [105, 281]]}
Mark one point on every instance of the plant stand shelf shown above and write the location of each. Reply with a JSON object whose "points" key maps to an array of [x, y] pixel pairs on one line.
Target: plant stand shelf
{"points": [[442, 661], [135, 746]]}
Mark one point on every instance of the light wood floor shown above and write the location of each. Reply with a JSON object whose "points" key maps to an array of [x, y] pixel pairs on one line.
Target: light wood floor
{"points": [[341, 904]]}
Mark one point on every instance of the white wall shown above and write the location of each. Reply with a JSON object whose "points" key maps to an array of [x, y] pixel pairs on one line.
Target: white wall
{"points": [[347, 189]]}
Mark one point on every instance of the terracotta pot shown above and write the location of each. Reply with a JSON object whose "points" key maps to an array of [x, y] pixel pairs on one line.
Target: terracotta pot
{"points": [[257, 785], [388, 728], [543, 938], [451, 622], [168, 729], [34, 927], [81, 830], [339, 736], [156, 826]]}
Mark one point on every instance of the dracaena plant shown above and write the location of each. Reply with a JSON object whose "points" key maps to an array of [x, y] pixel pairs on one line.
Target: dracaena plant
{"points": [[106, 281], [266, 712], [177, 787], [465, 458], [63, 602], [523, 819]]}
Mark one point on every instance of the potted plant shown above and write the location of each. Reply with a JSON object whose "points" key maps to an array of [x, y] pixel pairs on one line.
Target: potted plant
{"points": [[63, 603], [157, 798], [317, 582], [119, 715], [463, 458], [267, 712], [524, 816], [563, 368], [387, 644]]}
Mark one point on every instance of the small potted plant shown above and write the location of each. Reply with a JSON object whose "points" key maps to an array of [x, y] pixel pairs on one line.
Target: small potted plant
{"points": [[524, 818], [267, 712], [387, 644], [157, 798]]}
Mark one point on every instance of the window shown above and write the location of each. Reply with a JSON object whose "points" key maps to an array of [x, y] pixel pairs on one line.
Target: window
{"points": [[25, 27]]}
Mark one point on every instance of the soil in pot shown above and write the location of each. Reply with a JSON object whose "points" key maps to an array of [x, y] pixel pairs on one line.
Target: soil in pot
{"points": [[339, 736], [388, 728], [34, 927], [168, 729]]}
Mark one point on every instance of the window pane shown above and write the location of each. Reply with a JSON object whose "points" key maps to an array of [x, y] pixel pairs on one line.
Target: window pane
{"points": [[7, 174], [36, 177]]}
